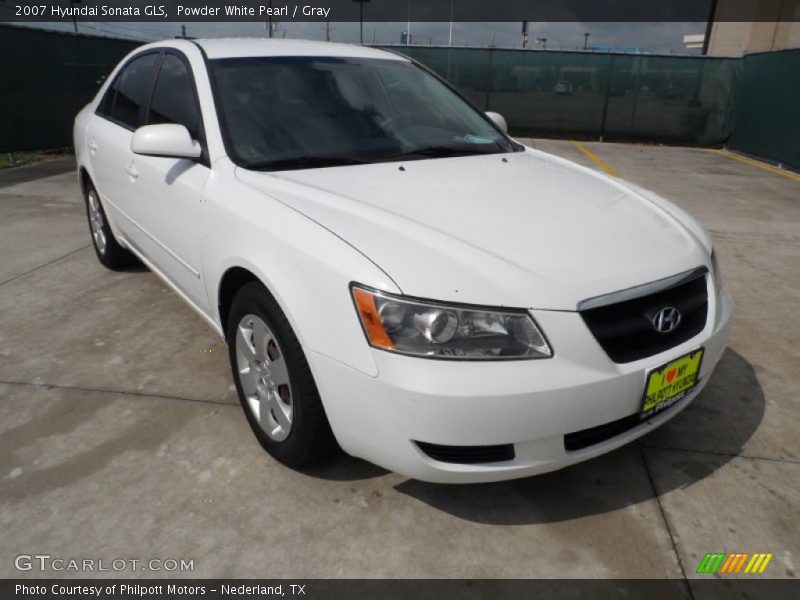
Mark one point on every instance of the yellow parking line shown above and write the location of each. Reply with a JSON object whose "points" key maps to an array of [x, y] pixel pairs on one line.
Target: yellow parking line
{"points": [[758, 164], [596, 159]]}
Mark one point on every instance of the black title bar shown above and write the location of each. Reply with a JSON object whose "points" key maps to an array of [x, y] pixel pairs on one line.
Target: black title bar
{"points": [[189, 11], [729, 588]]}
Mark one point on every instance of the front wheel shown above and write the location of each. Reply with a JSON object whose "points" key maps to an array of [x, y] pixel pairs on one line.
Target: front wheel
{"points": [[274, 382]]}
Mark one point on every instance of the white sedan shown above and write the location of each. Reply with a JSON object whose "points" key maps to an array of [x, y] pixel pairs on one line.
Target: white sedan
{"points": [[392, 273]]}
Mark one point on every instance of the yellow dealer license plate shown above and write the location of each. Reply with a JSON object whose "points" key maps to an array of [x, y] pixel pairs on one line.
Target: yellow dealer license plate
{"points": [[669, 383]]}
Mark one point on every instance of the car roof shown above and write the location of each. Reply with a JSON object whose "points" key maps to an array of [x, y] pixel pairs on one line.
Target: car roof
{"points": [[255, 47]]}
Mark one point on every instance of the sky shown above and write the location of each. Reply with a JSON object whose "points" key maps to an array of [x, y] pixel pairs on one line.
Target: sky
{"points": [[663, 38]]}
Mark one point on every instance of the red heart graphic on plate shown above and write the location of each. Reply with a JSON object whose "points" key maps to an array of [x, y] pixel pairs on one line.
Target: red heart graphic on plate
{"points": [[671, 375]]}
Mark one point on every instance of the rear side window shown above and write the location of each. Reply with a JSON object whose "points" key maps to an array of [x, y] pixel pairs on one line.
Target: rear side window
{"points": [[174, 99], [129, 92]]}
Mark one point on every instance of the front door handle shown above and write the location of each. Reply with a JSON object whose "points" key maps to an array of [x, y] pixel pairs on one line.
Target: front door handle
{"points": [[92, 145], [130, 169]]}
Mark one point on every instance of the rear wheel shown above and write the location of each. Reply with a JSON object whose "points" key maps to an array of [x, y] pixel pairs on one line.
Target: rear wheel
{"points": [[108, 250], [274, 382]]}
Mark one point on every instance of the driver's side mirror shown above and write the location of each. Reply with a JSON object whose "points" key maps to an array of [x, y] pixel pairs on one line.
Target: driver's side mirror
{"points": [[498, 120], [167, 140]]}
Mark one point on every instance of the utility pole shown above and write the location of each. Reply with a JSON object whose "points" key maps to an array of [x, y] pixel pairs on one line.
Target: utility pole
{"points": [[327, 30], [72, 3], [524, 34], [270, 27], [183, 31], [361, 19], [586, 40]]}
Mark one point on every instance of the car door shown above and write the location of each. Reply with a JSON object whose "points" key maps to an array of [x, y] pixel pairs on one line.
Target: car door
{"points": [[167, 209], [108, 139]]}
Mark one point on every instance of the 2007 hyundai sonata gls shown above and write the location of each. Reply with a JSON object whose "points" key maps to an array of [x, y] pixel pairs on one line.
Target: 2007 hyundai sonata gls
{"points": [[392, 273]]}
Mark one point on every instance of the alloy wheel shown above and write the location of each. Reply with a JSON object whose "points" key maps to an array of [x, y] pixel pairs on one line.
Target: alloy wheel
{"points": [[264, 377], [97, 222]]}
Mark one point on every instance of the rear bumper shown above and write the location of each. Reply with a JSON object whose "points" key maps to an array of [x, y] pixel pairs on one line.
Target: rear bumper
{"points": [[530, 404]]}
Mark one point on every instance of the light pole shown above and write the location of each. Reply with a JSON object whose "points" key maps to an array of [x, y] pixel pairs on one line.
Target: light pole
{"points": [[408, 27], [450, 41]]}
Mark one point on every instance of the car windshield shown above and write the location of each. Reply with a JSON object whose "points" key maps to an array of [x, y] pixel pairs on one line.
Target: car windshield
{"points": [[302, 112]]}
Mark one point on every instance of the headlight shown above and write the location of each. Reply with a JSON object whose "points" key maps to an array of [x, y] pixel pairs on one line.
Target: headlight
{"points": [[716, 273], [434, 330]]}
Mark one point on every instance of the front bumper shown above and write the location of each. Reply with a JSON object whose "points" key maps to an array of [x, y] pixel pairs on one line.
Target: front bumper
{"points": [[530, 404]]}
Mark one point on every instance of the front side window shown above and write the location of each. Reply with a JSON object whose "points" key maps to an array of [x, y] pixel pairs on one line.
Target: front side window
{"points": [[129, 91], [296, 112], [174, 99]]}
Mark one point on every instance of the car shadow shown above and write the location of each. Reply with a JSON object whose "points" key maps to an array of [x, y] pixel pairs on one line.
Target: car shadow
{"points": [[136, 267], [345, 468], [178, 169], [705, 436]]}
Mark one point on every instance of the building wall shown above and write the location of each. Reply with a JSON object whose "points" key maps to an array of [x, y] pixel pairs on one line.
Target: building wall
{"points": [[729, 38]]}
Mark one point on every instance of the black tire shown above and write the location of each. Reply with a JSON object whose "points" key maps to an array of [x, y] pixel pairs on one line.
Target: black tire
{"points": [[111, 255], [310, 438]]}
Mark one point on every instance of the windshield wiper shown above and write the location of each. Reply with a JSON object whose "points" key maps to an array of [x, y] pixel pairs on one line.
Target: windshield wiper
{"points": [[305, 162], [440, 152]]}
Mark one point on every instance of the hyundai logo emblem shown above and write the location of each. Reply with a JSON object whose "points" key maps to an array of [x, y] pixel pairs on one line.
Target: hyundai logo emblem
{"points": [[666, 320]]}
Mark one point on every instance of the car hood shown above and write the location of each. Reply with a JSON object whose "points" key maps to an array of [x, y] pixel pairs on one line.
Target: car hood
{"points": [[526, 229]]}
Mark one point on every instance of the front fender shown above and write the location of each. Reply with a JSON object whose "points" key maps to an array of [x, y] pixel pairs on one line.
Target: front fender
{"points": [[306, 268]]}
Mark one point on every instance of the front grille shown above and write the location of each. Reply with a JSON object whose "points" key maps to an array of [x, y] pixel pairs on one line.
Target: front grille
{"points": [[625, 329], [468, 455], [579, 440]]}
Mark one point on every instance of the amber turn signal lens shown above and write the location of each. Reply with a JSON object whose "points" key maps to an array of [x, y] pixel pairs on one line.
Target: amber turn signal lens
{"points": [[371, 320]]}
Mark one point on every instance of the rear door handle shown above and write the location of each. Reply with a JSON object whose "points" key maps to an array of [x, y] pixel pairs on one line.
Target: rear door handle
{"points": [[130, 169], [92, 145]]}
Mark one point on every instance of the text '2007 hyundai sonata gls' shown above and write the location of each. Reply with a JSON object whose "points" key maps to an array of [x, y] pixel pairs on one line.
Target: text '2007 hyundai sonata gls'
{"points": [[392, 273]]}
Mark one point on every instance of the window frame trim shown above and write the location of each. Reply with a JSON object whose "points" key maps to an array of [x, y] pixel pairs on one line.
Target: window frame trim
{"points": [[201, 130], [157, 51]]}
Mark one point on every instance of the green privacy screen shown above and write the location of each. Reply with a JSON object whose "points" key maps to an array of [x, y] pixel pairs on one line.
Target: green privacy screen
{"points": [[588, 94], [767, 114], [45, 79], [751, 103]]}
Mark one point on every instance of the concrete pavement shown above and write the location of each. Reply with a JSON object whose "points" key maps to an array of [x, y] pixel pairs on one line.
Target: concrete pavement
{"points": [[121, 436]]}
